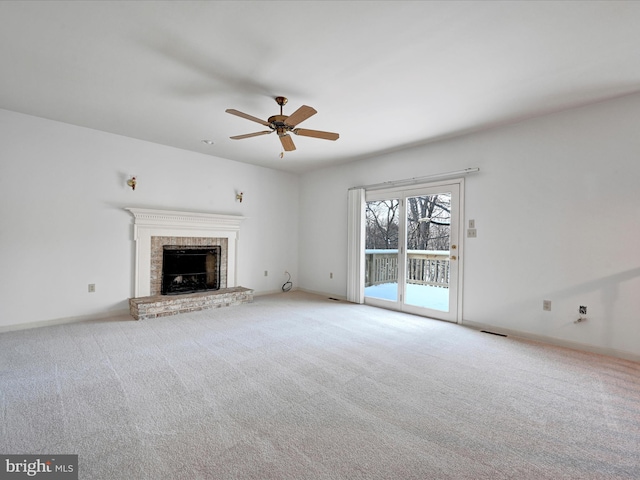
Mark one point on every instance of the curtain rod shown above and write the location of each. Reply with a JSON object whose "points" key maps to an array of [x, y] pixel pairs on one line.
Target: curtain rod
{"points": [[410, 181]]}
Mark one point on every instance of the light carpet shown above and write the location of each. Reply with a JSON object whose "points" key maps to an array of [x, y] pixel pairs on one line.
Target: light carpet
{"points": [[297, 386]]}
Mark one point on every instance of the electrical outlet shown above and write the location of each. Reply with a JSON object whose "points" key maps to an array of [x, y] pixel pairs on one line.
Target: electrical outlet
{"points": [[266, 273], [472, 233], [546, 305], [582, 310], [331, 275], [92, 287]]}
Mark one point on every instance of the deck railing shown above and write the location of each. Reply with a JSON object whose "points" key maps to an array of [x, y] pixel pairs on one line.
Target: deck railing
{"points": [[424, 267]]}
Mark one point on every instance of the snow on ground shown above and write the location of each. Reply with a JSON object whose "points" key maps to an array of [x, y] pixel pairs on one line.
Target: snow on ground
{"points": [[435, 298]]}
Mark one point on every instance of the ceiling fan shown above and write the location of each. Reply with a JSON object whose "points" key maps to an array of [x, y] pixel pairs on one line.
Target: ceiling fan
{"points": [[283, 124]]}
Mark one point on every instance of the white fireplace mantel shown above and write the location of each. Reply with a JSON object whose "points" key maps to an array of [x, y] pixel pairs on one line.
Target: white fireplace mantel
{"points": [[170, 223]]}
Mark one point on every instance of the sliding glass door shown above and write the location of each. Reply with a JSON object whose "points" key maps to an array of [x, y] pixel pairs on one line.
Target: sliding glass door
{"points": [[412, 251], [382, 219]]}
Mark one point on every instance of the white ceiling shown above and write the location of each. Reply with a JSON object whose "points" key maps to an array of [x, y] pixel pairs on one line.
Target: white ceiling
{"points": [[385, 74]]}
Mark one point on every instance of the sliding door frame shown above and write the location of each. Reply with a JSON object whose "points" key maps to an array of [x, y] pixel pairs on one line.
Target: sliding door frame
{"points": [[357, 245]]}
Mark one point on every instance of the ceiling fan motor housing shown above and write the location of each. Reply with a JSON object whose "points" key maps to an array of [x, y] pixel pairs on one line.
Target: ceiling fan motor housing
{"points": [[277, 123]]}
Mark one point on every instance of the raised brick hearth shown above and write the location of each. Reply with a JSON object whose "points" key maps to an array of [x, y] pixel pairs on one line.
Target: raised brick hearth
{"points": [[165, 305]]}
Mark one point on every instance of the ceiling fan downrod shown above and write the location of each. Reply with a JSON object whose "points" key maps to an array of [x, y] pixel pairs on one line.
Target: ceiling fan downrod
{"points": [[282, 101]]}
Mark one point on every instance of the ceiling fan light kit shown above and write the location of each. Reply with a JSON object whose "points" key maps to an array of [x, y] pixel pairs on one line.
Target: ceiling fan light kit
{"points": [[283, 125]]}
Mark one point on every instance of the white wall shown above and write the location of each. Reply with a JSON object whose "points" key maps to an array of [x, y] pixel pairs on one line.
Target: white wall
{"points": [[62, 223], [556, 206], [557, 209]]}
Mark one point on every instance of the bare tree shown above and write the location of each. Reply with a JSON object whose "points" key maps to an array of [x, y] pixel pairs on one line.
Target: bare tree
{"points": [[382, 224], [428, 222]]}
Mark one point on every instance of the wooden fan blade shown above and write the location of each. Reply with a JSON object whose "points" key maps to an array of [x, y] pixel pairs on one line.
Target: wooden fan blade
{"points": [[287, 143], [300, 115], [316, 134], [233, 111], [249, 135]]}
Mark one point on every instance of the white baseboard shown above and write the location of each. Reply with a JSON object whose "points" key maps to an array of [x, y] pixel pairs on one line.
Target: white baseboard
{"points": [[96, 316], [272, 292], [324, 294], [61, 321], [610, 352]]}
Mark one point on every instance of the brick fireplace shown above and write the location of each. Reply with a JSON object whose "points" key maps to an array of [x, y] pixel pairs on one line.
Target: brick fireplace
{"points": [[153, 230], [157, 249]]}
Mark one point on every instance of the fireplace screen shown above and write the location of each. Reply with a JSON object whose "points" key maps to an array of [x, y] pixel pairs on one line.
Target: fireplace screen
{"points": [[190, 269]]}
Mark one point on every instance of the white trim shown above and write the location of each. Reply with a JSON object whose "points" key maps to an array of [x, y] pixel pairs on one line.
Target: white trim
{"points": [[107, 314], [417, 180], [327, 295], [264, 293], [583, 347], [171, 223], [401, 192]]}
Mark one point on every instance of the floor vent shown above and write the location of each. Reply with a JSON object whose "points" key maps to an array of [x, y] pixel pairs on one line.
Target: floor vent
{"points": [[334, 299], [493, 333]]}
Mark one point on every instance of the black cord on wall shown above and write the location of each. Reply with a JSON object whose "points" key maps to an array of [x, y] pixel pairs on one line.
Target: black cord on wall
{"points": [[287, 285]]}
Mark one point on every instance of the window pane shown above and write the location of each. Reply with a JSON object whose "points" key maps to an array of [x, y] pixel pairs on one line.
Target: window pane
{"points": [[428, 240], [381, 249]]}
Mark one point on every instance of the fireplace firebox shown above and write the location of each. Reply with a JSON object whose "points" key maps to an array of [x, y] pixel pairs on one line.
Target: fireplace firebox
{"points": [[190, 269]]}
